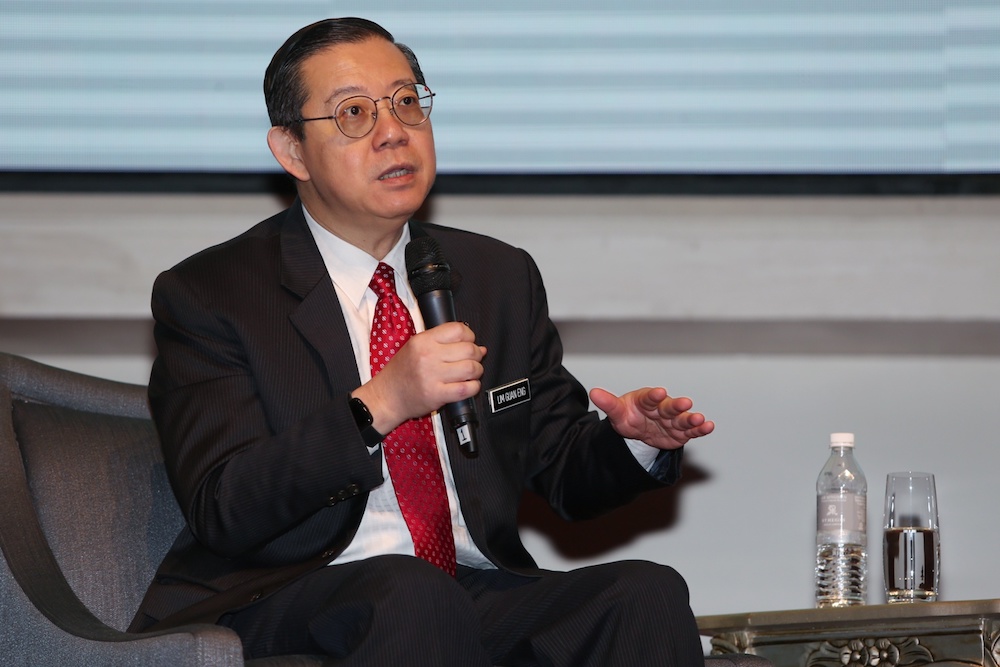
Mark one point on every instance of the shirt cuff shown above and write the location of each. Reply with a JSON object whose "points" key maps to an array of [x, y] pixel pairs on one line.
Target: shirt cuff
{"points": [[643, 453], [662, 464]]}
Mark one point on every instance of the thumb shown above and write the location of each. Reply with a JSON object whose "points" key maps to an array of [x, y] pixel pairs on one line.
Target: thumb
{"points": [[607, 402]]}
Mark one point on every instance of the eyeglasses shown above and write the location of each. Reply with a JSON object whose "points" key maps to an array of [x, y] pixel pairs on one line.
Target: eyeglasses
{"points": [[410, 104]]}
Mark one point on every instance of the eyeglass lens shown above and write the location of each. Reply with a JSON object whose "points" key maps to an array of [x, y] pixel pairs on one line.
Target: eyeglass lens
{"points": [[411, 104]]}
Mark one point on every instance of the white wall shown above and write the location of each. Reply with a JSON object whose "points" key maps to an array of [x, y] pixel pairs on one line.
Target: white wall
{"points": [[784, 318]]}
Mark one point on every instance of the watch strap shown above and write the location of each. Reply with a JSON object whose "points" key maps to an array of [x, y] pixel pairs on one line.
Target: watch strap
{"points": [[363, 418]]}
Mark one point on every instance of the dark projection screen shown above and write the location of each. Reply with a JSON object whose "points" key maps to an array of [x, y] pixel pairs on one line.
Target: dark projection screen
{"points": [[617, 86]]}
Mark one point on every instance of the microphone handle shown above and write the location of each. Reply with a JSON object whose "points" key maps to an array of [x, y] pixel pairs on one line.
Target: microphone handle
{"points": [[438, 307]]}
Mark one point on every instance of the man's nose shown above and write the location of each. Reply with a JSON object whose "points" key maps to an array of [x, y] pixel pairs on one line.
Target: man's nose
{"points": [[386, 122]]}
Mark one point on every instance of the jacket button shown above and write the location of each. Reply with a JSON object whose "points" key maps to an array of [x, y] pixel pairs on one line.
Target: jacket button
{"points": [[332, 501], [327, 555], [343, 494], [354, 489], [255, 597]]}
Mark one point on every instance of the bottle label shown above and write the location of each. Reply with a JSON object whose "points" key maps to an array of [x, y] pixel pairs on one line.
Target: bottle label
{"points": [[842, 517]]}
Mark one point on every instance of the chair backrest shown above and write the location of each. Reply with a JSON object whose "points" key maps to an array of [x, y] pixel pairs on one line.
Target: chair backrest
{"points": [[96, 482]]}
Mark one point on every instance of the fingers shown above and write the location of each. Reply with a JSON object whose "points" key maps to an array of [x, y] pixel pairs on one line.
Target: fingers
{"points": [[458, 360], [649, 398], [459, 391], [683, 419], [452, 332], [455, 343], [705, 428], [650, 414], [692, 424], [669, 406], [458, 352], [438, 366]]}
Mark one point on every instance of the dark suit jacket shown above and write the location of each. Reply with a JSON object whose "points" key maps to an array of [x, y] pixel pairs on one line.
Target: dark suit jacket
{"points": [[250, 396]]}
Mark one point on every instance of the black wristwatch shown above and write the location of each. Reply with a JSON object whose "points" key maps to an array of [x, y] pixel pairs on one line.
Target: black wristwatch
{"points": [[363, 418]]}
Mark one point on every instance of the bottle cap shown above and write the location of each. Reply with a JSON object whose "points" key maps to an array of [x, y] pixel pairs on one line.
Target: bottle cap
{"points": [[841, 439]]}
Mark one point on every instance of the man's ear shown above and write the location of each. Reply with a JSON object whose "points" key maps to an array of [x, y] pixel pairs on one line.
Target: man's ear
{"points": [[286, 149]]}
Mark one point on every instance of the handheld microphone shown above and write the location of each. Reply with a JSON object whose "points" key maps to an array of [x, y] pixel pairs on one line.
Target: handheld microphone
{"points": [[430, 279]]}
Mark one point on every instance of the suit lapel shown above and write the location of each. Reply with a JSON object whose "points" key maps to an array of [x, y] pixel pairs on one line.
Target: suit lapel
{"points": [[319, 318]]}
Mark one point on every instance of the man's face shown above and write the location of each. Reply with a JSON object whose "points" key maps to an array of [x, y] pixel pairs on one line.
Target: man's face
{"points": [[361, 188]]}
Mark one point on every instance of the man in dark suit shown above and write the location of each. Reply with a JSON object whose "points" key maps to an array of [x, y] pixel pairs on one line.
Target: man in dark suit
{"points": [[282, 414]]}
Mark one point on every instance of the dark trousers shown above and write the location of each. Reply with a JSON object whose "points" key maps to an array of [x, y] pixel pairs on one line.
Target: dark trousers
{"points": [[402, 611]]}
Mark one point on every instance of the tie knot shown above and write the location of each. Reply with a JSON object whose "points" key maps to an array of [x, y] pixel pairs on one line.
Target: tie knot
{"points": [[383, 281]]}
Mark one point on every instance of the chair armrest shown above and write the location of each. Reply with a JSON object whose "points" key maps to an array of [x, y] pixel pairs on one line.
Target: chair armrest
{"points": [[43, 619], [64, 636]]}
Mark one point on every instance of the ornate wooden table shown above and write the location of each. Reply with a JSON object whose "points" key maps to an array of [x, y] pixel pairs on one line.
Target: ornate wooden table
{"points": [[956, 634]]}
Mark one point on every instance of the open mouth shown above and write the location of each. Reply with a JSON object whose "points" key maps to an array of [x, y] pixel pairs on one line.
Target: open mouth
{"points": [[395, 173]]}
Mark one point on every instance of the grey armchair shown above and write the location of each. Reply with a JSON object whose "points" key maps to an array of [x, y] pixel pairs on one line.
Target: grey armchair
{"points": [[86, 514]]}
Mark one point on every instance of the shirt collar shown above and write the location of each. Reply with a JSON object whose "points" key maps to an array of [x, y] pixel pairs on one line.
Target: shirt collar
{"points": [[350, 267]]}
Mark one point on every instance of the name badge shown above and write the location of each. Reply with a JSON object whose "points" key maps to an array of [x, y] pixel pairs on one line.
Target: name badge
{"points": [[509, 395]]}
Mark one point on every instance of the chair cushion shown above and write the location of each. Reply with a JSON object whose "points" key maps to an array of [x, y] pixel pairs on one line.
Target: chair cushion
{"points": [[102, 497]]}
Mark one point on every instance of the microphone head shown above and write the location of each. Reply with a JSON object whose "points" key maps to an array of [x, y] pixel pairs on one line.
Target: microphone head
{"points": [[426, 267]]}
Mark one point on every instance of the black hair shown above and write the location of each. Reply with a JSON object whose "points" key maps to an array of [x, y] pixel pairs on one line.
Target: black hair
{"points": [[284, 91]]}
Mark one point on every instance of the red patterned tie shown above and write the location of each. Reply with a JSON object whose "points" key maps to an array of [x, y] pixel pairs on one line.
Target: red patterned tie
{"points": [[410, 450]]}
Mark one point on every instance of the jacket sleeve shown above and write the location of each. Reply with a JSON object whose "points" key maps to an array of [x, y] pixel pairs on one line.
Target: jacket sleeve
{"points": [[577, 461], [254, 446]]}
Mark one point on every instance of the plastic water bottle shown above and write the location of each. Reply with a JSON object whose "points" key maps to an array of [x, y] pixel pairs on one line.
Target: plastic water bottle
{"points": [[841, 527]]}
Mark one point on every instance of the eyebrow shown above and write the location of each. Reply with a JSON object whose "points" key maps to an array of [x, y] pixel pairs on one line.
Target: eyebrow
{"points": [[358, 90]]}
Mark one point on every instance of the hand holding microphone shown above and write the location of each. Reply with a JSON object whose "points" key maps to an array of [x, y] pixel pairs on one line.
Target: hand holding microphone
{"points": [[430, 279]]}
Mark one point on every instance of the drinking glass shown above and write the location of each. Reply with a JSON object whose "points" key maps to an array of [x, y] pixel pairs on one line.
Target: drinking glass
{"points": [[911, 551]]}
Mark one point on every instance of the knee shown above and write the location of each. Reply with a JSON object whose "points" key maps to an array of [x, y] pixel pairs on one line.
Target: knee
{"points": [[644, 580]]}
